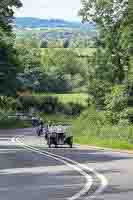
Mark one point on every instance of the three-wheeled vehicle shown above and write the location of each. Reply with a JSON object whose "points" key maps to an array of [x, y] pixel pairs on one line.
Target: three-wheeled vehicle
{"points": [[59, 138]]}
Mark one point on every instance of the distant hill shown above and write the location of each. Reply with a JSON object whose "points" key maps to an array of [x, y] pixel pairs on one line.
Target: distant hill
{"points": [[29, 22]]}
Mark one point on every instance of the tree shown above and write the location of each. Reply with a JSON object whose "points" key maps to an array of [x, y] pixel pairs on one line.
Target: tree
{"points": [[66, 44], [110, 18], [7, 13], [9, 62], [32, 70], [44, 44], [113, 52], [69, 70]]}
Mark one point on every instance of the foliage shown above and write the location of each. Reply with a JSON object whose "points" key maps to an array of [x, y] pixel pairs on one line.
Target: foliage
{"points": [[99, 89], [72, 35], [9, 60], [50, 104], [111, 19], [8, 103], [110, 79], [76, 98], [7, 13], [93, 128], [57, 118], [111, 61], [116, 104], [44, 44], [64, 70], [8, 120]]}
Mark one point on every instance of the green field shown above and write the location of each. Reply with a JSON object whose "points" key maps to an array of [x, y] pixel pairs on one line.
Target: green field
{"points": [[81, 37], [83, 52]]}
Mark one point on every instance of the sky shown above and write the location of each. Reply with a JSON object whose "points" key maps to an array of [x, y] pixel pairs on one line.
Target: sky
{"points": [[61, 9]]}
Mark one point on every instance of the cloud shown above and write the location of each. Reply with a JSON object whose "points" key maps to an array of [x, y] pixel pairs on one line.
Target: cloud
{"points": [[66, 9]]}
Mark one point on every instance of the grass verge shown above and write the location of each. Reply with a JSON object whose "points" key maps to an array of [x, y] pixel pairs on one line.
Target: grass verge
{"points": [[103, 142], [13, 124], [91, 128]]}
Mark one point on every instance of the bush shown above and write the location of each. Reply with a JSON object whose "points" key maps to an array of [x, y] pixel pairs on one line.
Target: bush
{"points": [[130, 114], [89, 123], [93, 128], [9, 120], [116, 104], [8, 103], [49, 105], [98, 89]]}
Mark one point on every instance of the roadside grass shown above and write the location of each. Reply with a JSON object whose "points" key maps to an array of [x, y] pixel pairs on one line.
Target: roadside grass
{"points": [[14, 123], [8, 120], [103, 142], [91, 128]]}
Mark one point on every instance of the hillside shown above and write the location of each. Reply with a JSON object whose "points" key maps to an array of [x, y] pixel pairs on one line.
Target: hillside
{"points": [[28, 22], [55, 31]]}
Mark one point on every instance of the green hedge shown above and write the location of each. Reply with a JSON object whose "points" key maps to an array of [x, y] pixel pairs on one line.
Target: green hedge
{"points": [[9, 120], [92, 127], [49, 105], [14, 123]]}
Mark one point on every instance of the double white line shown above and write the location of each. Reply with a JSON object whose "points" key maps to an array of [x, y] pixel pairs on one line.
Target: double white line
{"points": [[80, 168]]}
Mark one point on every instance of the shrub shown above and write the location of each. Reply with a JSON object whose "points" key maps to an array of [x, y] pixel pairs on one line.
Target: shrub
{"points": [[130, 114], [8, 119], [98, 89], [8, 103], [89, 123], [116, 104], [49, 105]]}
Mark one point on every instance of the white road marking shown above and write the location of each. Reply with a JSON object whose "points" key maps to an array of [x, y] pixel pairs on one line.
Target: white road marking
{"points": [[13, 140], [39, 170], [39, 187], [6, 152], [5, 141], [78, 167], [89, 180], [12, 149]]}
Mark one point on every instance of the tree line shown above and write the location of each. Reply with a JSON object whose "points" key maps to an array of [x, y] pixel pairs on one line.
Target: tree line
{"points": [[111, 80], [107, 75]]}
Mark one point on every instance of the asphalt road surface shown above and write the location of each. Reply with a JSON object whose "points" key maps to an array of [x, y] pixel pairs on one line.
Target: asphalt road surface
{"points": [[31, 171]]}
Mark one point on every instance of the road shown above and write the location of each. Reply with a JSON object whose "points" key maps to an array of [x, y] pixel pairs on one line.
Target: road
{"points": [[31, 171]]}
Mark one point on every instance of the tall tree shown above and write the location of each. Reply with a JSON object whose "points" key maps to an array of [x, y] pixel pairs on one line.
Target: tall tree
{"points": [[7, 13], [9, 61], [112, 55], [110, 17]]}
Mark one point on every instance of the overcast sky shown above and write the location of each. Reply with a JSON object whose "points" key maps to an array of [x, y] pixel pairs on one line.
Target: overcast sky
{"points": [[66, 9]]}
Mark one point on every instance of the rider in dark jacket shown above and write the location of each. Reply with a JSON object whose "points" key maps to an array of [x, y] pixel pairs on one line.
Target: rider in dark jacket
{"points": [[40, 130]]}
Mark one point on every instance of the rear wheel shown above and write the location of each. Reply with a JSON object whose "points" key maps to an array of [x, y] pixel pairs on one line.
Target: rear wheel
{"points": [[71, 145], [49, 142], [70, 142]]}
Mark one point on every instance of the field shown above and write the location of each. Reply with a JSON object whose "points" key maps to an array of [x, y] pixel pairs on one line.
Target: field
{"points": [[51, 32], [81, 52], [77, 37]]}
